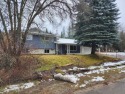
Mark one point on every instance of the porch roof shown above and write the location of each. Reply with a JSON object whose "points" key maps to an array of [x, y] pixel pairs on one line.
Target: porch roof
{"points": [[66, 41]]}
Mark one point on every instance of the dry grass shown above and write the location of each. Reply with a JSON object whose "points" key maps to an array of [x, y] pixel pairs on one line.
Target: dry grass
{"points": [[20, 73], [30, 64], [51, 61]]}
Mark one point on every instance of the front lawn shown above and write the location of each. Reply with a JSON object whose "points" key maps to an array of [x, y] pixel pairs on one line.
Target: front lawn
{"points": [[51, 61]]}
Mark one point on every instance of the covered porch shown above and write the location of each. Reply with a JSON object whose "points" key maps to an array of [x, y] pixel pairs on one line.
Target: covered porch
{"points": [[67, 46]]}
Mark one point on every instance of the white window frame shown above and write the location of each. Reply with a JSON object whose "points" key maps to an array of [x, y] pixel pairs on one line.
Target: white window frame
{"points": [[29, 37]]}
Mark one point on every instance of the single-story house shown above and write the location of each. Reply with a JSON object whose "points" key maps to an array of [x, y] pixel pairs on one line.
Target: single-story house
{"points": [[39, 42]]}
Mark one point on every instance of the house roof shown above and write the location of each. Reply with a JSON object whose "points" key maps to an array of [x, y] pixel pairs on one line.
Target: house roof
{"points": [[37, 31], [66, 41]]}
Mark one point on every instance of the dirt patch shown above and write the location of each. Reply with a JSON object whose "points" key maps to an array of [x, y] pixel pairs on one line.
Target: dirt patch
{"points": [[59, 87]]}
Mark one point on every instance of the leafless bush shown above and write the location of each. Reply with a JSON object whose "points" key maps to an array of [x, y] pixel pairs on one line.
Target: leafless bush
{"points": [[14, 73], [6, 61]]}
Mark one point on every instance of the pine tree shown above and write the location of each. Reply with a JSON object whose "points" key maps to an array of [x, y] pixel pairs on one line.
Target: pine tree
{"points": [[71, 32], [111, 19], [46, 30], [100, 27], [63, 34]]}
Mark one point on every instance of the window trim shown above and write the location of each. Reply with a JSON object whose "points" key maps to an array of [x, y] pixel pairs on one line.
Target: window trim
{"points": [[46, 51], [29, 37], [46, 39]]}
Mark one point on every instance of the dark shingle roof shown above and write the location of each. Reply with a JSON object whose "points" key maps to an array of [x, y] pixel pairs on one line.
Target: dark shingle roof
{"points": [[37, 31]]}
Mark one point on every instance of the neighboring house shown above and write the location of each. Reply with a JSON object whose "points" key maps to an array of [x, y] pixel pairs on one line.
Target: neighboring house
{"points": [[39, 42]]}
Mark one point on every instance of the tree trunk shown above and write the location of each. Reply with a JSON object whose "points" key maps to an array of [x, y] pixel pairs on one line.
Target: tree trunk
{"points": [[93, 48]]}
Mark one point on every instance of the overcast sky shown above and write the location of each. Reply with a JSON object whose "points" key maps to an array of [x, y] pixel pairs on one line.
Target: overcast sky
{"points": [[65, 24], [121, 6]]}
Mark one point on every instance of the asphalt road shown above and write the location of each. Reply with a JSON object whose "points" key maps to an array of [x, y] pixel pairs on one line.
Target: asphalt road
{"points": [[116, 88]]}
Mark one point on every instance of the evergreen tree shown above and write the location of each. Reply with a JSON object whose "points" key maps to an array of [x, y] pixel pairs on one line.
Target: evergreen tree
{"points": [[70, 32], [99, 26], [46, 30], [63, 34]]}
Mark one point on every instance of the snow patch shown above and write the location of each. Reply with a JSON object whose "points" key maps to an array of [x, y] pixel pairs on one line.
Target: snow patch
{"points": [[94, 67], [80, 75], [18, 87], [113, 64], [122, 71], [12, 88], [50, 80], [83, 85], [67, 77], [114, 53], [27, 85], [97, 79]]}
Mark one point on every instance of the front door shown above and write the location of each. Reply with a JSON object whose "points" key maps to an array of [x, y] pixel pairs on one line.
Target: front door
{"points": [[62, 49]]}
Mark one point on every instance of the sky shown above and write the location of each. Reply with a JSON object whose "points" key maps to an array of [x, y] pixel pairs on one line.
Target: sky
{"points": [[121, 6], [65, 23]]}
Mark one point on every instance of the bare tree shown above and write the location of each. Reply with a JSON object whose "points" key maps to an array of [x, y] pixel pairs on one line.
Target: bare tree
{"points": [[17, 16]]}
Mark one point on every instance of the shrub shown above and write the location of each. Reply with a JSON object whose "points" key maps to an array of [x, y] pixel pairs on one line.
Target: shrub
{"points": [[14, 73], [6, 61]]}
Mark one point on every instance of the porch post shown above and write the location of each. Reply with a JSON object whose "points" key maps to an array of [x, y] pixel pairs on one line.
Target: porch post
{"points": [[56, 48], [67, 48]]}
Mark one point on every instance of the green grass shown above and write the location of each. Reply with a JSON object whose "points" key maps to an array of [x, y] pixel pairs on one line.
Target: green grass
{"points": [[51, 61]]}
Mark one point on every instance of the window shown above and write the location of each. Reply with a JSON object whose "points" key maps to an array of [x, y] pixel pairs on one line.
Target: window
{"points": [[73, 48], [46, 38], [29, 37], [46, 51]]}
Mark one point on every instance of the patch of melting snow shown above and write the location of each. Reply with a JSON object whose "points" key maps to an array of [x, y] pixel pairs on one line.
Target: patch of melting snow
{"points": [[80, 75], [120, 67], [11, 88], [50, 80], [94, 67], [97, 79], [27, 85], [18, 87], [97, 71], [83, 85], [91, 72], [67, 77], [76, 69], [106, 67], [110, 64], [122, 71]]}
